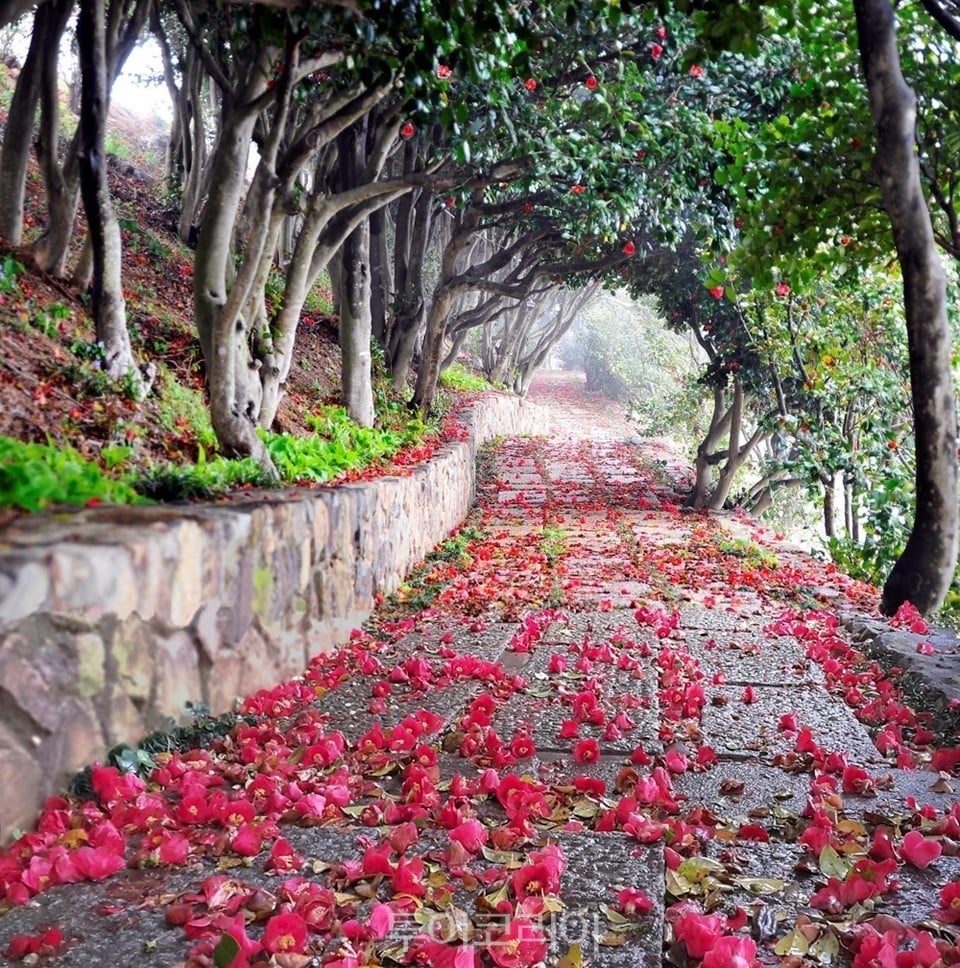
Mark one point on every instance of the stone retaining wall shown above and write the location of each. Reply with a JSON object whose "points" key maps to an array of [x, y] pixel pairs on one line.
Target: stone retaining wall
{"points": [[111, 619]]}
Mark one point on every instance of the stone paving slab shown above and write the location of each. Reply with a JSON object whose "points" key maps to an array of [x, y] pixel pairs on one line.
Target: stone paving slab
{"points": [[749, 730], [894, 788], [348, 706], [488, 644], [917, 898], [599, 626], [760, 866], [559, 769], [735, 790], [543, 719], [752, 659], [135, 933], [518, 498], [122, 922], [595, 862], [762, 878], [641, 683], [722, 619], [584, 595]]}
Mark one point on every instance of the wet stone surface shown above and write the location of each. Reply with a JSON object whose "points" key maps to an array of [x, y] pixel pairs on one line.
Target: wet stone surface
{"points": [[917, 898], [741, 728], [894, 788], [718, 619], [751, 659], [542, 719], [744, 790], [595, 864], [348, 706], [598, 627], [489, 644], [763, 879], [559, 769], [122, 923]]}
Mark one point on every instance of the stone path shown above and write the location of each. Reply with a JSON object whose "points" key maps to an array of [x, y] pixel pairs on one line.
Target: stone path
{"points": [[673, 698]]}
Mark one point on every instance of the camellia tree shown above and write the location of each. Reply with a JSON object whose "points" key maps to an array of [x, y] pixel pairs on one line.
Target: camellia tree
{"points": [[817, 159]]}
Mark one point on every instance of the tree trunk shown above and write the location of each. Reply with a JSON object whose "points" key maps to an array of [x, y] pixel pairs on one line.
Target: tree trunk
{"points": [[123, 24], [381, 285], [49, 23], [186, 154], [60, 179], [109, 309], [13, 10], [428, 372], [356, 328], [829, 504], [413, 232], [700, 495], [233, 387], [732, 465], [923, 573]]}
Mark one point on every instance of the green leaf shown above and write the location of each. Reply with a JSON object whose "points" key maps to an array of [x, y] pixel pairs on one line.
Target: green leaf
{"points": [[833, 864], [226, 950]]}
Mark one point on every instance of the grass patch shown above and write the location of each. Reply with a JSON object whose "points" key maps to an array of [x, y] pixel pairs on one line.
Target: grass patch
{"points": [[337, 445], [458, 377], [203, 481], [553, 543], [753, 555], [184, 410], [34, 476]]}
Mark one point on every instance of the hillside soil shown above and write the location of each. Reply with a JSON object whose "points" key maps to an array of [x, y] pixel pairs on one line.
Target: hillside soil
{"points": [[49, 387]]}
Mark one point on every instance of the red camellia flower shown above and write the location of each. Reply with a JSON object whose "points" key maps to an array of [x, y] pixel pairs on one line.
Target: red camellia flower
{"points": [[855, 779], [949, 911], [591, 83], [716, 292], [920, 851], [632, 902], [471, 835], [577, 189], [698, 932], [96, 863], [284, 934], [530, 84], [408, 130], [283, 858], [656, 51], [522, 944], [522, 746], [782, 289], [675, 761], [586, 751], [788, 723], [629, 249], [382, 919], [661, 33], [696, 71], [443, 71], [45, 943], [731, 952]]}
